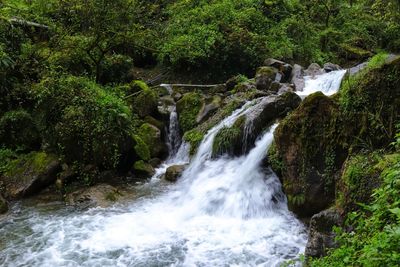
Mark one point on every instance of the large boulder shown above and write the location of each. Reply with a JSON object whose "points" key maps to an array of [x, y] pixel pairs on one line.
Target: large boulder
{"points": [[328, 67], [265, 76], [321, 236], [143, 169], [240, 138], [307, 146], [174, 172], [152, 137], [29, 174], [101, 195], [313, 70], [3, 205], [284, 68]]}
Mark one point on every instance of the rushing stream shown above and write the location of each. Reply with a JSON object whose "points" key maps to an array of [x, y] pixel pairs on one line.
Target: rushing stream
{"points": [[222, 212]]}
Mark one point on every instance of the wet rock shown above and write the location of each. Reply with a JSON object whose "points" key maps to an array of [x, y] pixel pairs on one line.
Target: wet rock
{"points": [[151, 136], [165, 106], [244, 87], [313, 70], [328, 67], [286, 87], [3, 205], [321, 236], [155, 162], [29, 174], [265, 76], [284, 68], [102, 195], [297, 77], [209, 107], [174, 172]]}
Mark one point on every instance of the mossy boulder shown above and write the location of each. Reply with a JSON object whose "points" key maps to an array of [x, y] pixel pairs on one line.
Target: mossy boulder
{"points": [[188, 108], [29, 174], [142, 169], [229, 139], [265, 76], [209, 107], [309, 150], [3, 205], [18, 131], [151, 136], [146, 102]]}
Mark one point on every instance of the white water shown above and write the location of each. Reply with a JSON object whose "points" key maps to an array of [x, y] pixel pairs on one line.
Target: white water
{"points": [[328, 83], [222, 212]]}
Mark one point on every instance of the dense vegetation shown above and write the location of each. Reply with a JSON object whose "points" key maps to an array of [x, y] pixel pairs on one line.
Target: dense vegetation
{"points": [[69, 86]]}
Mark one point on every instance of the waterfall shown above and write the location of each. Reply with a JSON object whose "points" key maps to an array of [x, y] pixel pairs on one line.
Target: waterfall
{"points": [[174, 138], [328, 83], [228, 211]]}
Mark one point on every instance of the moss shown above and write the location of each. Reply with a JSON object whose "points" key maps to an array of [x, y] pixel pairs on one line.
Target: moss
{"points": [[229, 139], [141, 148], [188, 107], [194, 138], [274, 160], [354, 52], [37, 162], [145, 103], [143, 169]]}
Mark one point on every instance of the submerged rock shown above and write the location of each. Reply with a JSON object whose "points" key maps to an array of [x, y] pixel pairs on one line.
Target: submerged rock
{"points": [[29, 174], [174, 172], [321, 236], [101, 195]]}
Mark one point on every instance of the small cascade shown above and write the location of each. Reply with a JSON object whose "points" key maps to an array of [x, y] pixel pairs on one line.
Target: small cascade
{"points": [[328, 83], [174, 138]]}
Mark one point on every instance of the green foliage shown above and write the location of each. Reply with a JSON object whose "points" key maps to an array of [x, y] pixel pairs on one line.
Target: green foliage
{"points": [[82, 120], [376, 228], [194, 138], [141, 148]]}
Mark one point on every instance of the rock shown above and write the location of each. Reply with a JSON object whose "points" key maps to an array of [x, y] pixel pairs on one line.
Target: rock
{"points": [[3, 205], [177, 96], [321, 237], [351, 52], [143, 169], [286, 87], [240, 138], [155, 162], [303, 143], [174, 172], [297, 77], [101, 195], [151, 136], [165, 106], [275, 86], [328, 67], [313, 70], [29, 174], [208, 108], [232, 82], [244, 87], [188, 109], [145, 103], [284, 68], [265, 76]]}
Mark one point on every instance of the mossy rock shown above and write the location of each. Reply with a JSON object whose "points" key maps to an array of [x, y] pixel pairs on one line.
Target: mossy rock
{"points": [[29, 174], [18, 131], [311, 149], [151, 136], [145, 103], [264, 77], [143, 169], [141, 148], [188, 108], [229, 139]]}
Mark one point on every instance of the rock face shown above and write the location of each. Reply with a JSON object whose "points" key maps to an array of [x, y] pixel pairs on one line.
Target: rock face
{"points": [[240, 138], [30, 174], [3, 205], [321, 236], [174, 172], [101, 195]]}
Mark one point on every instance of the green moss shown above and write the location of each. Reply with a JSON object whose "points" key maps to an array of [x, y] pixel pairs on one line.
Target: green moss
{"points": [[229, 139], [145, 103], [274, 160], [151, 136], [141, 148], [36, 162], [194, 138], [188, 107]]}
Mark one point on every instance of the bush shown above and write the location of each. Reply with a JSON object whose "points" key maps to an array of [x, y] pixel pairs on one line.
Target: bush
{"points": [[82, 120]]}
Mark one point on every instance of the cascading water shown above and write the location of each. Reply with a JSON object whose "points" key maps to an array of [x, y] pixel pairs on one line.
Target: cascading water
{"points": [[327, 83], [222, 212]]}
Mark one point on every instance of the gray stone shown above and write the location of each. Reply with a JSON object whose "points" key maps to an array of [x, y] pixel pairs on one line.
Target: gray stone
{"points": [[101, 195], [174, 172]]}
